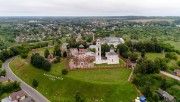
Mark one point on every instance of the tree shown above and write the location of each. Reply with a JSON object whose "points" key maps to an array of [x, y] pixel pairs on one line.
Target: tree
{"points": [[46, 53], [133, 56], [64, 54], [164, 84], [104, 48], [46, 65], [64, 71], [178, 63], [143, 53], [24, 55], [35, 83], [40, 62], [171, 55], [57, 51], [9, 87], [58, 59], [146, 66], [1, 63], [147, 90], [3, 73], [160, 64], [123, 50], [78, 97]]}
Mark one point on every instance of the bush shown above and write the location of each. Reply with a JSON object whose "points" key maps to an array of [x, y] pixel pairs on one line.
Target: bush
{"points": [[35, 83], [178, 63], [1, 63], [171, 55], [9, 87], [24, 55], [134, 56], [58, 59], [46, 53], [79, 98], [3, 73], [64, 71], [64, 54]]}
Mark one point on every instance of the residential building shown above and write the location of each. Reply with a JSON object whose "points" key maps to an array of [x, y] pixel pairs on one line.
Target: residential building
{"points": [[177, 72], [17, 96], [4, 80]]}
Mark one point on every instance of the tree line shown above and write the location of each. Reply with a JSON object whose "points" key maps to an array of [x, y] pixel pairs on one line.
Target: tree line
{"points": [[9, 87], [20, 50]]}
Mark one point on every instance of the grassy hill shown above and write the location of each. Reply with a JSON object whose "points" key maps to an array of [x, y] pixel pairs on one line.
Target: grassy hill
{"points": [[105, 85]]}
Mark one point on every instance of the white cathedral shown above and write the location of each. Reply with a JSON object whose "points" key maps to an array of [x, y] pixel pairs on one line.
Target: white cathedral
{"points": [[110, 57]]}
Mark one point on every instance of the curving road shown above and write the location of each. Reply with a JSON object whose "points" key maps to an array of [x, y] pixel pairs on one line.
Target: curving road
{"points": [[38, 97], [170, 75]]}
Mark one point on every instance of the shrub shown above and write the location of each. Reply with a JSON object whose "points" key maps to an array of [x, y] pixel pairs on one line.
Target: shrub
{"points": [[24, 55], [3, 73], [178, 63], [64, 71], [134, 56], [58, 59], [64, 54], [46, 53], [171, 55], [1, 63], [35, 83]]}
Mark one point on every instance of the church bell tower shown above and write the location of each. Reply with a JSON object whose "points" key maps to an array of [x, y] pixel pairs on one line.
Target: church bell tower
{"points": [[98, 51]]}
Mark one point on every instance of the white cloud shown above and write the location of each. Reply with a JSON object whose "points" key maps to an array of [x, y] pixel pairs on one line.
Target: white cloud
{"points": [[89, 7]]}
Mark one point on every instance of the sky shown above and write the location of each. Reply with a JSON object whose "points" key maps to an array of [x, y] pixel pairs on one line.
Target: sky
{"points": [[89, 7]]}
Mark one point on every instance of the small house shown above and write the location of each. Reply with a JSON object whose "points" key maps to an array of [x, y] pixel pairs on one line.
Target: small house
{"points": [[177, 72], [17, 96], [50, 56], [28, 99], [4, 80], [166, 95]]}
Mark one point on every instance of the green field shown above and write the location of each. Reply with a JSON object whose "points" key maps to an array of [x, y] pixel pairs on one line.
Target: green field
{"points": [[153, 56], [107, 85]]}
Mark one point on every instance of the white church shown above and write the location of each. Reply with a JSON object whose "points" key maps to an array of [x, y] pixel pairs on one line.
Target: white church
{"points": [[110, 57]]}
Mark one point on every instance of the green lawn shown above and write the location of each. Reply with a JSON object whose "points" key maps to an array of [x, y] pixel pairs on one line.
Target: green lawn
{"points": [[153, 56], [108, 85]]}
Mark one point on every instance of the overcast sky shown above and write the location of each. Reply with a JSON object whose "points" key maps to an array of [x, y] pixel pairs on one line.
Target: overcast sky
{"points": [[89, 7]]}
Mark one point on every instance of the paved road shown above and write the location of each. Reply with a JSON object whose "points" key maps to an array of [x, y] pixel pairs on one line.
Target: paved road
{"points": [[170, 75], [28, 89]]}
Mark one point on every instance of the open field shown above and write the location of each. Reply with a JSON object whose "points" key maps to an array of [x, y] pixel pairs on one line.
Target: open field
{"points": [[153, 56], [105, 84]]}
